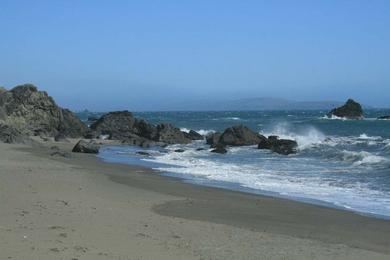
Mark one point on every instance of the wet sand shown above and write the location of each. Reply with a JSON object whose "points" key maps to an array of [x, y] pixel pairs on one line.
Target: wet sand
{"points": [[53, 207]]}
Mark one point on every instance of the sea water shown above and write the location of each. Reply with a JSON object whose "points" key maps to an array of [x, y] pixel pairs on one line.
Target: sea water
{"points": [[340, 163]]}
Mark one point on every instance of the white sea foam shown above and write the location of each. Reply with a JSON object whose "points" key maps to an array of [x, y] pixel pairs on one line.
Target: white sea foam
{"points": [[305, 138], [279, 176], [203, 132], [362, 158]]}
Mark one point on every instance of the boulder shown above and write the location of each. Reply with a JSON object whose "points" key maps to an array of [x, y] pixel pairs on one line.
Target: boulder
{"points": [[60, 137], [57, 152], [193, 135], [213, 138], [180, 151], [118, 125], [33, 112], [169, 134], [240, 135], [219, 148], [84, 146], [384, 117], [280, 146], [350, 110], [9, 134]]}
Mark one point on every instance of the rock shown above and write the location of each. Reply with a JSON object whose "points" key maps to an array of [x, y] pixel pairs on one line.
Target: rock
{"points": [[84, 146], [180, 151], [33, 112], [169, 134], [118, 125], [200, 149], [219, 148], [60, 137], [280, 146], [193, 135], [56, 151], [240, 135], [384, 117], [143, 153], [350, 110], [121, 125], [92, 119], [213, 138], [9, 134]]}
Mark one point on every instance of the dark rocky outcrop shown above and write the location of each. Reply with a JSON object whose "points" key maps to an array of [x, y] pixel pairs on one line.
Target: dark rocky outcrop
{"points": [[350, 110], [213, 138], [84, 146], [118, 125], [193, 135], [384, 117], [240, 135], [169, 134], [280, 146], [33, 112], [219, 148], [122, 125]]}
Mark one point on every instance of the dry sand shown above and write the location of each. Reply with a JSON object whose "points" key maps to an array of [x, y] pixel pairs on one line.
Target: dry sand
{"points": [[81, 208]]}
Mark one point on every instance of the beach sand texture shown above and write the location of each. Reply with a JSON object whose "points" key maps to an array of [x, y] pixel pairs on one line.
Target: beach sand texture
{"points": [[53, 207]]}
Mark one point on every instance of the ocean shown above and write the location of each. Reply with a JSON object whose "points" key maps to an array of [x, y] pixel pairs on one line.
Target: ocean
{"points": [[340, 163]]}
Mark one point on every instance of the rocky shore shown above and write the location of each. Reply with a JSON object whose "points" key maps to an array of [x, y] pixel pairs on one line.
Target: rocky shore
{"points": [[25, 112]]}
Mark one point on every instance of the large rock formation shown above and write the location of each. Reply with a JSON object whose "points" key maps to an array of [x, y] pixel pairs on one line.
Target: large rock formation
{"points": [[350, 110], [239, 135], [280, 146], [121, 125], [33, 112]]}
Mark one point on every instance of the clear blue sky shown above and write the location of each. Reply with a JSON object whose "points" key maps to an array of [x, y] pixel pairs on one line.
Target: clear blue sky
{"points": [[126, 54]]}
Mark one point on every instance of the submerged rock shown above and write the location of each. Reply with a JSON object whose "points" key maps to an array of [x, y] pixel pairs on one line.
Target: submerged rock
{"points": [[84, 146], [240, 135], [280, 146], [193, 135], [213, 138], [350, 110], [384, 117], [219, 148], [180, 151], [143, 153]]}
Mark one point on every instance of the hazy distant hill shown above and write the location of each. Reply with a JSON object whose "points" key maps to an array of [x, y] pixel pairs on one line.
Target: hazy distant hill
{"points": [[263, 103]]}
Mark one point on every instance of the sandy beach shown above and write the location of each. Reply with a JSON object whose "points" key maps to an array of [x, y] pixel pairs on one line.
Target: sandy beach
{"points": [[53, 207]]}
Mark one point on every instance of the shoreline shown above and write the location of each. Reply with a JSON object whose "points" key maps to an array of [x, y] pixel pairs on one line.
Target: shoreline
{"points": [[235, 187], [147, 215]]}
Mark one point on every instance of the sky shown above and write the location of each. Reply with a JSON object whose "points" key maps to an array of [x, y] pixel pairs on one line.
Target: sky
{"points": [[141, 55]]}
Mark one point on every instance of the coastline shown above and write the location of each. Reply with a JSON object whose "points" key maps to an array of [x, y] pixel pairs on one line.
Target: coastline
{"points": [[145, 215]]}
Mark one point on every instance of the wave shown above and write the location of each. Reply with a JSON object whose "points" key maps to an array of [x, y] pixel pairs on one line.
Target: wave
{"points": [[306, 138], [333, 117], [363, 158], [203, 132]]}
